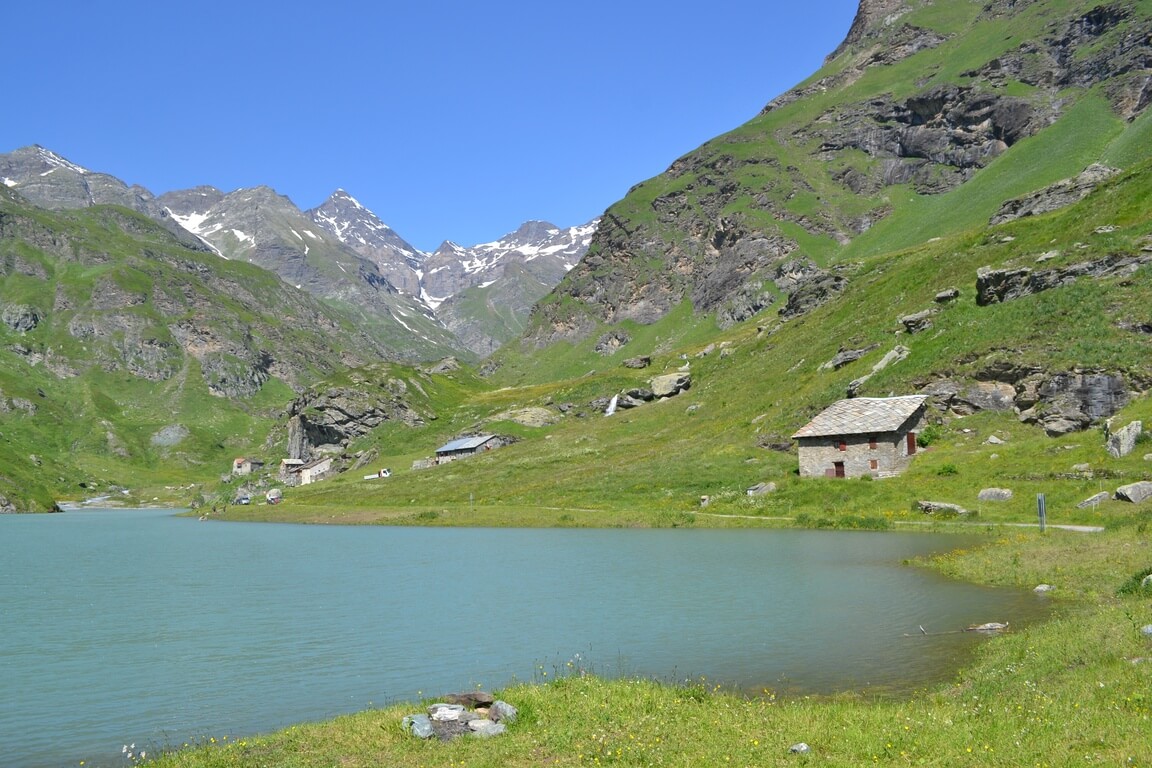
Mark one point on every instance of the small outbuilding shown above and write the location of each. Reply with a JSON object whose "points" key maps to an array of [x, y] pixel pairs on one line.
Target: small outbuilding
{"points": [[862, 436], [243, 465], [466, 446]]}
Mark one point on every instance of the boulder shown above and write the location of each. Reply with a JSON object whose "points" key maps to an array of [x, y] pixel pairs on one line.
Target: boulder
{"points": [[845, 356], [486, 728], [419, 726], [948, 294], [1123, 441], [1135, 492], [503, 712], [470, 699], [942, 508], [762, 488], [670, 384], [642, 361], [995, 494], [1041, 589], [918, 322]]}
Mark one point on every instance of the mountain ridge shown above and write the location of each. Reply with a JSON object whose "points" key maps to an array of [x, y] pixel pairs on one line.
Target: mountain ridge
{"points": [[339, 251], [920, 96]]}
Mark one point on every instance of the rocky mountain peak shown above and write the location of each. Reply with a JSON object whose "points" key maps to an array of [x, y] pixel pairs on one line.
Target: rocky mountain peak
{"points": [[52, 181], [871, 16], [343, 216]]}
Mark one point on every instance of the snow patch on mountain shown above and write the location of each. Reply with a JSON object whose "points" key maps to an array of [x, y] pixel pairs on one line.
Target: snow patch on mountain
{"points": [[54, 159]]}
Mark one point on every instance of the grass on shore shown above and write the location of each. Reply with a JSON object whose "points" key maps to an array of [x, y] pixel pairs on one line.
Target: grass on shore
{"points": [[1073, 690]]}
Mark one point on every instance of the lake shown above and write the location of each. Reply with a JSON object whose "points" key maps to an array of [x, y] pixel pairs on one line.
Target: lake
{"points": [[138, 626]]}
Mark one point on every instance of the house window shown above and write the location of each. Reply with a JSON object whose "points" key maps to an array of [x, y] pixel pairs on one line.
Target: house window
{"points": [[843, 444], [872, 442], [873, 464]]}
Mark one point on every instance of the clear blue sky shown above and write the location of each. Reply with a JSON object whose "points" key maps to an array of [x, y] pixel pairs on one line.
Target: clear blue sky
{"points": [[449, 120]]}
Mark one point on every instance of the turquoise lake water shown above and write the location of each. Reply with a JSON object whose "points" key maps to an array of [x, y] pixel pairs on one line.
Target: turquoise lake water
{"points": [[137, 626]]}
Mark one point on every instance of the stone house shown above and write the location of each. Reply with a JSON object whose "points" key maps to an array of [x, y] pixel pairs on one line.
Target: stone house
{"points": [[246, 466], [312, 471], [466, 446], [862, 436]]}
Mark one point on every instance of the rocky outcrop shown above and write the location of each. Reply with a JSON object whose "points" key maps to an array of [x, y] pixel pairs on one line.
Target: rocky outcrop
{"points": [[1123, 441], [1073, 401], [1060, 402], [845, 356], [20, 317], [934, 140], [895, 355], [1059, 195], [807, 286], [917, 322], [964, 399], [670, 384], [334, 416], [721, 220], [994, 286]]}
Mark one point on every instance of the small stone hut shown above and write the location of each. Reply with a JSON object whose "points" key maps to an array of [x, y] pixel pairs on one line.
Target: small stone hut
{"points": [[466, 446], [243, 465], [862, 436]]}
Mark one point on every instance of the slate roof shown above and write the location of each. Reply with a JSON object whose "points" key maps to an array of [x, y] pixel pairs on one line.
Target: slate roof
{"points": [[862, 415], [464, 443]]}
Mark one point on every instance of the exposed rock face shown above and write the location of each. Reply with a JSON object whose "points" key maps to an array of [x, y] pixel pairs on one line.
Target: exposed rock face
{"points": [[337, 415], [998, 285], [1059, 402], [1070, 402], [934, 140], [721, 220], [964, 399], [1059, 195]]}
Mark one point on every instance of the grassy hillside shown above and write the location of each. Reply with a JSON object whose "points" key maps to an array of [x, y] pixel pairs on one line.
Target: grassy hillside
{"points": [[759, 382], [131, 363]]}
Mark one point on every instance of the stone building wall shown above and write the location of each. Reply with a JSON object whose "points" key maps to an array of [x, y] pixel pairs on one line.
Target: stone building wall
{"points": [[818, 455]]}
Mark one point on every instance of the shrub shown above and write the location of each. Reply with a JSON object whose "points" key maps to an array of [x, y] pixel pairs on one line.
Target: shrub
{"points": [[929, 435]]}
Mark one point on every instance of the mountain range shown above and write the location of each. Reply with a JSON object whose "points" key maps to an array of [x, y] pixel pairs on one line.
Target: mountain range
{"points": [[456, 300]]}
